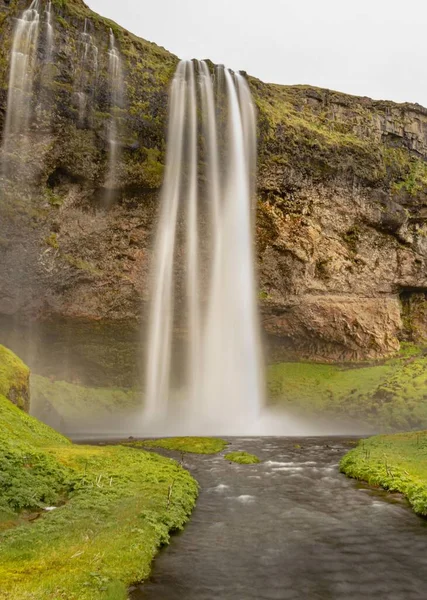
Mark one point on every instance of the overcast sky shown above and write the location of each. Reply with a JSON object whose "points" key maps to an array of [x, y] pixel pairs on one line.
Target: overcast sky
{"points": [[375, 48]]}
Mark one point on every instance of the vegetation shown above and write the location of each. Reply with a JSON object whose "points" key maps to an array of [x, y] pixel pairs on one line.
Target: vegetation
{"points": [[191, 445], [113, 508], [388, 396], [14, 378], [242, 458], [395, 462], [75, 401]]}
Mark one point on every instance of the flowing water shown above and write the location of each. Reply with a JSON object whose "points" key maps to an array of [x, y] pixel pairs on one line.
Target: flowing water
{"points": [[87, 73], [115, 78], [21, 79], [49, 32], [291, 528], [204, 258]]}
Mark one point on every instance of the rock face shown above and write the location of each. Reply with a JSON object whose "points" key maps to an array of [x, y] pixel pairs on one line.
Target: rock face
{"points": [[341, 212]]}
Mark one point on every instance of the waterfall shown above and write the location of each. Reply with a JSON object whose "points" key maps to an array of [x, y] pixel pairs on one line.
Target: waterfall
{"points": [[208, 191], [49, 32], [115, 76], [21, 79], [87, 72]]}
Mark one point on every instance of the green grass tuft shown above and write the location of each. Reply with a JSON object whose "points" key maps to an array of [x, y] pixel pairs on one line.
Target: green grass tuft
{"points": [[242, 458], [191, 445]]}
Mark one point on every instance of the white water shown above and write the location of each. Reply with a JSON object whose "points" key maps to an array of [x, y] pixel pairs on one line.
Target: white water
{"points": [[115, 75], [49, 32], [87, 72], [21, 79], [212, 195]]}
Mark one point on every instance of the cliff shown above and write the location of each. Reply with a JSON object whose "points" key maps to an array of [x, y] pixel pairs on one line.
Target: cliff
{"points": [[341, 217]]}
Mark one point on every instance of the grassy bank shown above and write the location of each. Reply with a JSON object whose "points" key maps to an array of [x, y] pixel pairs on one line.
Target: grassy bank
{"points": [[113, 508], [397, 463], [387, 396]]}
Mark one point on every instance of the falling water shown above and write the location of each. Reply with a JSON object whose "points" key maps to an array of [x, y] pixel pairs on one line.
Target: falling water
{"points": [[49, 32], [21, 79], [115, 75], [212, 186], [87, 72]]}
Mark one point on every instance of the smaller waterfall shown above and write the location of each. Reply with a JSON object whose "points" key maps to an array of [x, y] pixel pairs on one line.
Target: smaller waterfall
{"points": [[87, 72], [115, 76], [49, 32], [21, 80]]}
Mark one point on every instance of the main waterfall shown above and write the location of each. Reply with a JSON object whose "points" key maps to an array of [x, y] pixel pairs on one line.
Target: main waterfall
{"points": [[203, 272]]}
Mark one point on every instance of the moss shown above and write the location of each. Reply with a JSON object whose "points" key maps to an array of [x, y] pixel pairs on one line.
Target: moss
{"points": [[115, 508], [324, 134], [63, 22], [82, 265], [352, 238], [146, 168], [409, 172], [387, 396], [54, 199], [242, 458], [72, 401], [191, 445], [14, 379], [52, 241], [395, 462]]}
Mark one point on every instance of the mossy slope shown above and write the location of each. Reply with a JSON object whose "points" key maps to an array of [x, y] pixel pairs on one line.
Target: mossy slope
{"points": [[73, 401], [14, 379], [386, 396], [397, 463], [115, 506]]}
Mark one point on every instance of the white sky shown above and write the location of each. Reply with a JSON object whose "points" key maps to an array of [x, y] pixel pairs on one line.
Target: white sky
{"points": [[375, 48]]}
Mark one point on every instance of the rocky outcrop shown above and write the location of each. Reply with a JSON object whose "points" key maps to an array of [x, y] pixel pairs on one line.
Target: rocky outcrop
{"points": [[341, 212]]}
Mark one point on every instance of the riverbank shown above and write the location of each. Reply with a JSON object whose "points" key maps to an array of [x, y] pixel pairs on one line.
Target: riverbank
{"points": [[397, 463], [79, 522], [289, 527]]}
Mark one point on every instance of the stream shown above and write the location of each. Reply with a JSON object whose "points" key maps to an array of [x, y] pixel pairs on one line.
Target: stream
{"points": [[290, 528]]}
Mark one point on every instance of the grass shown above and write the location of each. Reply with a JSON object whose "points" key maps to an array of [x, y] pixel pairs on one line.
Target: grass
{"points": [[72, 401], [191, 445], [389, 396], [14, 378], [115, 507], [242, 458], [397, 463]]}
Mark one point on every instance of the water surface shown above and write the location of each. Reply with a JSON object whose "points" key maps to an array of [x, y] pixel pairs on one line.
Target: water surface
{"points": [[291, 528]]}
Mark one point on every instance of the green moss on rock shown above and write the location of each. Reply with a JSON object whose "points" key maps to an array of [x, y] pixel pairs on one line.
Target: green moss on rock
{"points": [[14, 379]]}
